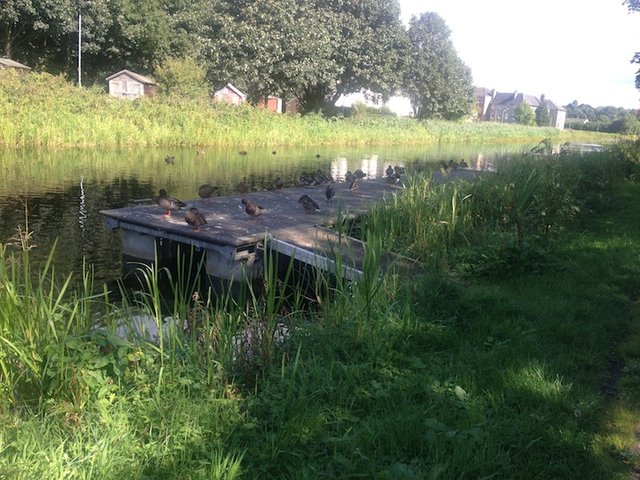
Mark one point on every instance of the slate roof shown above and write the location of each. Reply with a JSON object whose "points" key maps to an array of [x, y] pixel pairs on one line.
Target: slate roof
{"points": [[135, 76]]}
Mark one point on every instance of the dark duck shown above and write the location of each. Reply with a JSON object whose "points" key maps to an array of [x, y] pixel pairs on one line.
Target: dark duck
{"points": [[308, 204], [244, 186], [195, 219], [252, 209], [329, 193], [167, 203], [206, 191]]}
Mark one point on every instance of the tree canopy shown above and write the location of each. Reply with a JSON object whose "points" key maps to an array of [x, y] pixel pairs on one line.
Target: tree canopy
{"points": [[634, 6], [314, 50], [438, 83]]}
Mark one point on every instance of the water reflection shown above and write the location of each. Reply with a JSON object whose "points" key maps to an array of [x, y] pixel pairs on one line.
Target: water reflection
{"points": [[58, 194]]}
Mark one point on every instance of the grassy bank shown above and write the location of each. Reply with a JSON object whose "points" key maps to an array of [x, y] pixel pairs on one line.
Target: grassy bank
{"points": [[512, 352], [40, 110]]}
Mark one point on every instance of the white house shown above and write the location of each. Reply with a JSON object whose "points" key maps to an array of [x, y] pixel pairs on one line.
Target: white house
{"points": [[131, 85]]}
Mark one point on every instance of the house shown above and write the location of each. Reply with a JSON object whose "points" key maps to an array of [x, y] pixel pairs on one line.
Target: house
{"points": [[503, 105], [483, 99], [7, 63], [131, 85], [230, 94]]}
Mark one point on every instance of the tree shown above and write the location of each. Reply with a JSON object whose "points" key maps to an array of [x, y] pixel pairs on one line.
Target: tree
{"points": [[438, 83], [542, 113], [182, 77], [634, 6], [524, 115]]}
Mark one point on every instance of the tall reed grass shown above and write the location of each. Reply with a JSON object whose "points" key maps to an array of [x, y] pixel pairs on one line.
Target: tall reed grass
{"points": [[40, 110]]}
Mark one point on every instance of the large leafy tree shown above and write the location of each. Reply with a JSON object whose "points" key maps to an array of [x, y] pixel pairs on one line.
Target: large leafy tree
{"points": [[634, 6], [273, 47], [438, 83]]}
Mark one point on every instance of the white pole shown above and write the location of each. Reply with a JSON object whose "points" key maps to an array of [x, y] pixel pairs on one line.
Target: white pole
{"points": [[79, 49]]}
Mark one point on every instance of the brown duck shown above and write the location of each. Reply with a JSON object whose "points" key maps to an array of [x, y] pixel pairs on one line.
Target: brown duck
{"points": [[205, 191], [308, 204], [253, 209], [195, 219], [167, 203]]}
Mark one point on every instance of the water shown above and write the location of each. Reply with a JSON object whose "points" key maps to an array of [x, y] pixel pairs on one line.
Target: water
{"points": [[57, 194]]}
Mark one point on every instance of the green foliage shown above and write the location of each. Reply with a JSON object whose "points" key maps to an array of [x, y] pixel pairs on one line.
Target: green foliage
{"points": [[44, 110], [420, 374], [543, 119], [524, 115], [437, 82], [182, 77]]}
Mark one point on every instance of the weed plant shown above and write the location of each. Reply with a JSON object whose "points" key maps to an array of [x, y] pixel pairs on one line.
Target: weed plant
{"points": [[40, 110], [433, 373]]}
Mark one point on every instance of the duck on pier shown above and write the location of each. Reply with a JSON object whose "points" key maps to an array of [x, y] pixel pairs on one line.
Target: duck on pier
{"points": [[167, 203], [195, 219], [329, 193], [308, 204], [389, 171], [252, 209]]}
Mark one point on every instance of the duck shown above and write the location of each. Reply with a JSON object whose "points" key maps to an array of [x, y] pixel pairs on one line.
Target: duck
{"points": [[393, 179], [205, 191], [273, 152], [353, 185], [242, 153], [253, 209], [169, 159], [329, 193], [194, 218], [168, 203], [348, 177], [200, 152], [318, 155], [398, 169], [359, 174], [308, 204], [244, 186], [389, 171], [463, 163], [278, 183]]}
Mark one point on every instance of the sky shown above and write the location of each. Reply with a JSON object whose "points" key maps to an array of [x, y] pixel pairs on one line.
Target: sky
{"points": [[565, 49]]}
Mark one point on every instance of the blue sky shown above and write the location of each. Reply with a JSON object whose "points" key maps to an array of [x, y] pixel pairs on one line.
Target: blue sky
{"points": [[567, 49]]}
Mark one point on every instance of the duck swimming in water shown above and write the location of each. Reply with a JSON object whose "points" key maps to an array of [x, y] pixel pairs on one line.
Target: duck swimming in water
{"points": [[167, 203], [308, 204], [205, 191], [195, 219], [244, 186]]}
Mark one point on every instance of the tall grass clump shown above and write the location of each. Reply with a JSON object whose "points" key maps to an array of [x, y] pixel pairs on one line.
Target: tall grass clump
{"points": [[41, 110], [499, 221]]}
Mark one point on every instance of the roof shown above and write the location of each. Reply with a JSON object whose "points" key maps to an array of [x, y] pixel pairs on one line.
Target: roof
{"points": [[233, 89], [515, 98], [135, 76], [7, 62]]}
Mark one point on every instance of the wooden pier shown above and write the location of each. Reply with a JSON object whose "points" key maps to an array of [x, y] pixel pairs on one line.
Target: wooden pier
{"points": [[232, 241]]}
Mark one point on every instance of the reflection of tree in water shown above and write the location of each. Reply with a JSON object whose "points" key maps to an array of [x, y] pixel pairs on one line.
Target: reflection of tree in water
{"points": [[72, 217]]}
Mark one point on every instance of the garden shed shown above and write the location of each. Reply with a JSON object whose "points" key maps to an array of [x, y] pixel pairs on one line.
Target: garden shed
{"points": [[230, 94], [131, 85]]}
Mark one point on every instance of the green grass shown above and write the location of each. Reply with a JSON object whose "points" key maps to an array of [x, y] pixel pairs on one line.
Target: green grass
{"points": [[39, 110], [491, 367]]}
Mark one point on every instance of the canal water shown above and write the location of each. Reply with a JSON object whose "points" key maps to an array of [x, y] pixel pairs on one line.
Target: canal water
{"points": [[57, 194]]}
